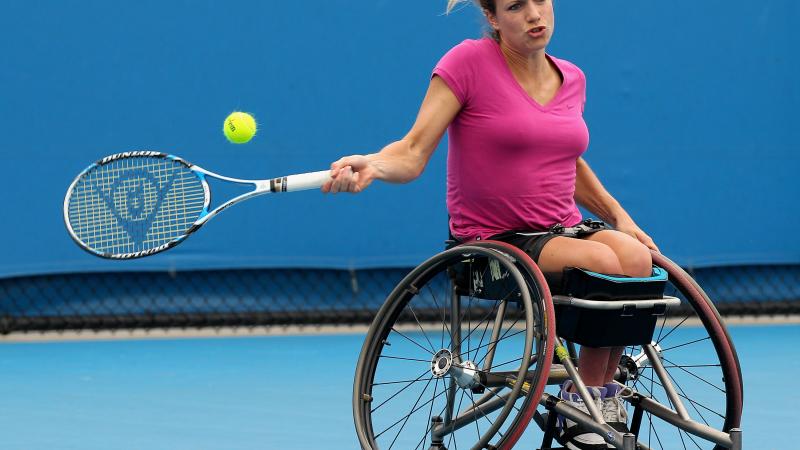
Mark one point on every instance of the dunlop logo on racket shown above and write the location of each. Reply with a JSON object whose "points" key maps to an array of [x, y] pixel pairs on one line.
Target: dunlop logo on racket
{"points": [[139, 203]]}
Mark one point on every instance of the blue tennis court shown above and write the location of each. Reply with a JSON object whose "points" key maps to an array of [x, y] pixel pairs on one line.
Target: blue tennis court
{"points": [[281, 392]]}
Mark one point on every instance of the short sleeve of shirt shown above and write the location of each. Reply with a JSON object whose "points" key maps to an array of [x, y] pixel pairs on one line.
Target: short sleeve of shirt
{"points": [[457, 69], [583, 83]]}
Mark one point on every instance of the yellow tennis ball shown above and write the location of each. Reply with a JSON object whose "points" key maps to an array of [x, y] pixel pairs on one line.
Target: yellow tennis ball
{"points": [[239, 127]]}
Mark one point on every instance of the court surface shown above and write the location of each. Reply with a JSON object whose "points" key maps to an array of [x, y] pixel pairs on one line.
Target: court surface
{"points": [[276, 392]]}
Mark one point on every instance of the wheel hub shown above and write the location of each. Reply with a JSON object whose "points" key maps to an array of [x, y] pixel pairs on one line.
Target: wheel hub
{"points": [[441, 363], [634, 364], [465, 373]]}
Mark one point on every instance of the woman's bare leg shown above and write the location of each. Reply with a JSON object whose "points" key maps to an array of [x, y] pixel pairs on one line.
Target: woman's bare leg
{"points": [[636, 261], [561, 252]]}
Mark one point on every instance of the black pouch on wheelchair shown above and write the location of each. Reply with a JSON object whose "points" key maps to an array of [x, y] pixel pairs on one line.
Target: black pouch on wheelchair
{"points": [[599, 310], [484, 279]]}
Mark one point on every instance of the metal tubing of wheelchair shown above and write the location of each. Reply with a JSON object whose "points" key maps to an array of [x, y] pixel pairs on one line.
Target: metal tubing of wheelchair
{"points": [[736, 439], [690, 426], [451, 400], [655, 362], [628, 441], [451, 393], [455, 327], [610, 435], [584, 393], [558, 374], [469, 416], [498, 323]]}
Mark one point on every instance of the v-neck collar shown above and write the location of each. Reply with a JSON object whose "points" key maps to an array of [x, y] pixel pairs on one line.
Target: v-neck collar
{"points": [[507, 70]]}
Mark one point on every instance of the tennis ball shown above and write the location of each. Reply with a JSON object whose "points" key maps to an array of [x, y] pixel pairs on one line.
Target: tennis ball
{"points": [[239, 127]]}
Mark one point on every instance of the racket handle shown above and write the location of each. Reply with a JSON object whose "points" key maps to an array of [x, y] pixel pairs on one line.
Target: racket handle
{"points": [[304, 181]]}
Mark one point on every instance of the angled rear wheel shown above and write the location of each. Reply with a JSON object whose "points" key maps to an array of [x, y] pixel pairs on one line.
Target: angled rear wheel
{"points": [[458, 355]]}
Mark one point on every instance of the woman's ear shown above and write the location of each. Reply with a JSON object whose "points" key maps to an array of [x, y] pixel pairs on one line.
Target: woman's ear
{"points": [[492, 19]]}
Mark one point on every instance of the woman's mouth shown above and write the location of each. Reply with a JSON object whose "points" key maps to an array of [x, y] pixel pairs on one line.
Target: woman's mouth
{"points": [[537, 32]]}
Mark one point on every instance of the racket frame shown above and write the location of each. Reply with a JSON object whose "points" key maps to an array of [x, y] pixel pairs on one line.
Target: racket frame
{"points": [[290, 183]]}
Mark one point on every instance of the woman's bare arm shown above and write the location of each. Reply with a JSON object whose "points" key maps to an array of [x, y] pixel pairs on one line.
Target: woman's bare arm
{"points": [[404, 160], [591, 194]]}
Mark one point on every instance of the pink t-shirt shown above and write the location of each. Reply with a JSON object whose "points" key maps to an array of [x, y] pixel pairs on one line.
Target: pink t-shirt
{"points": [[511, 161]]}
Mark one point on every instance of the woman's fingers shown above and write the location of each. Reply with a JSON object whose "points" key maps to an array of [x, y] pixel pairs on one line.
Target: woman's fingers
{"points": [[343, 179], [647, 240]]}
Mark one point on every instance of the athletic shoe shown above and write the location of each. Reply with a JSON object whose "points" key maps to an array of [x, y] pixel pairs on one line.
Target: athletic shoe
{"points": [[613, 409], [573, 435]]}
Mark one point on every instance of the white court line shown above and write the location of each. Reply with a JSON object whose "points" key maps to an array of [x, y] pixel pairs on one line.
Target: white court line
{"points": [[299, 330]]}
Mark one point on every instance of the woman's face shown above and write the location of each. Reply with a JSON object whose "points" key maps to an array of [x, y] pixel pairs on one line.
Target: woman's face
{"points": [[524, 25]]}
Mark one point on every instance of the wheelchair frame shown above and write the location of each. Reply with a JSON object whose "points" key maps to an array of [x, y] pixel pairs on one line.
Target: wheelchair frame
{"points": [[508, 399]]}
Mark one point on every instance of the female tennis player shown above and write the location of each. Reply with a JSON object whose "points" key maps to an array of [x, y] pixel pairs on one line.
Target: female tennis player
{"points": [[514, 115]]}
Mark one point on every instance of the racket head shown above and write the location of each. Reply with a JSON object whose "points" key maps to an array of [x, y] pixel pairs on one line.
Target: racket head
{"points": [[135, 204]]}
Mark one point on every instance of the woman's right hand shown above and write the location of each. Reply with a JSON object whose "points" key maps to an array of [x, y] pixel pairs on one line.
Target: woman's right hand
{"points": [[350, 174]]}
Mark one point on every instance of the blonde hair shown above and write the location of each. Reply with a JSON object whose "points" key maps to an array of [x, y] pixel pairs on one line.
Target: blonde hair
{"points": [[452, 4], [485, 5], [488, 5]]}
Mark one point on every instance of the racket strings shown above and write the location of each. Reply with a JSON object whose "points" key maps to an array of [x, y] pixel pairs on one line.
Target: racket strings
{"points": [[135, 204]]}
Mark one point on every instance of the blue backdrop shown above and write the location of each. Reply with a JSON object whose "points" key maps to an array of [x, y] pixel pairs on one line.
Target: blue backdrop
{"points": [[690, 111]]}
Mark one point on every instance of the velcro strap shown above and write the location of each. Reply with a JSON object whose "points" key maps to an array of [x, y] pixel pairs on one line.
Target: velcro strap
{"points": [[622, 427], [574, 431]]}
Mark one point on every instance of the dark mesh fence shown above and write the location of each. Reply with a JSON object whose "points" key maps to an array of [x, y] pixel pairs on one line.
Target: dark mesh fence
{"points": [[242, 298]]}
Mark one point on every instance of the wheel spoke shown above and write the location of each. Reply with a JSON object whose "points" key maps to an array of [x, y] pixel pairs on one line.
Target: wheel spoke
{"points": [[687, 399], [683, 443], [485, 319], [429, 428], [411, 413], [500, 339], [430, 412], [442, 310], [675, 327], [686, 343], [699, 378], [485, 329], [495, 366], [678, 385], [453, 422], [691, 438], [661, 329], [413, 341], [385, 383], [405, 359], [401, 390], [416, 319]]}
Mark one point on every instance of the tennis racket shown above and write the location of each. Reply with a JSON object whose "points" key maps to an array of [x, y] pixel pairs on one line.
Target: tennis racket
{"points": [[136, 204]]}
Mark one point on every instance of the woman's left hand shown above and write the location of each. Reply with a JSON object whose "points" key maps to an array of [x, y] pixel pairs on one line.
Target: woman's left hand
{"points": [[632, 229]]}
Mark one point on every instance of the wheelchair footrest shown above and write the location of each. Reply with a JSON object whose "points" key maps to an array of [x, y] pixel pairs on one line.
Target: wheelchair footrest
{"points": [[609, 323]]}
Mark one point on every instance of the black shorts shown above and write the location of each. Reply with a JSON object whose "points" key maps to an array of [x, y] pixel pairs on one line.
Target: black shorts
{"points": [[533, 242]]}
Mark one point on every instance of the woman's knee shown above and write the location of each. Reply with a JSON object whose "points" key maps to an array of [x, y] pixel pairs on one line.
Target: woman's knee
{"points": [[636, 260], [603, 260], [562, 252], [633, 256]]}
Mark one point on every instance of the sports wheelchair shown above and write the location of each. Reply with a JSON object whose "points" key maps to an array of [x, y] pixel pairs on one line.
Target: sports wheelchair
{"points": [[464, 347]]}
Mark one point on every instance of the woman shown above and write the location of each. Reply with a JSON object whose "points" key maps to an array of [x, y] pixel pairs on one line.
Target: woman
{"points": [[516, 136]]}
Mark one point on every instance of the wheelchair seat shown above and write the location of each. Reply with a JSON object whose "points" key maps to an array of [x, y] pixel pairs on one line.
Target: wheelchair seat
{"points": [[599, 310], [592, 309]]}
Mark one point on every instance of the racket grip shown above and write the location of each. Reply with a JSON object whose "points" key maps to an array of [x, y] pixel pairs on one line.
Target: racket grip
{"points": [[304, 181]]}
